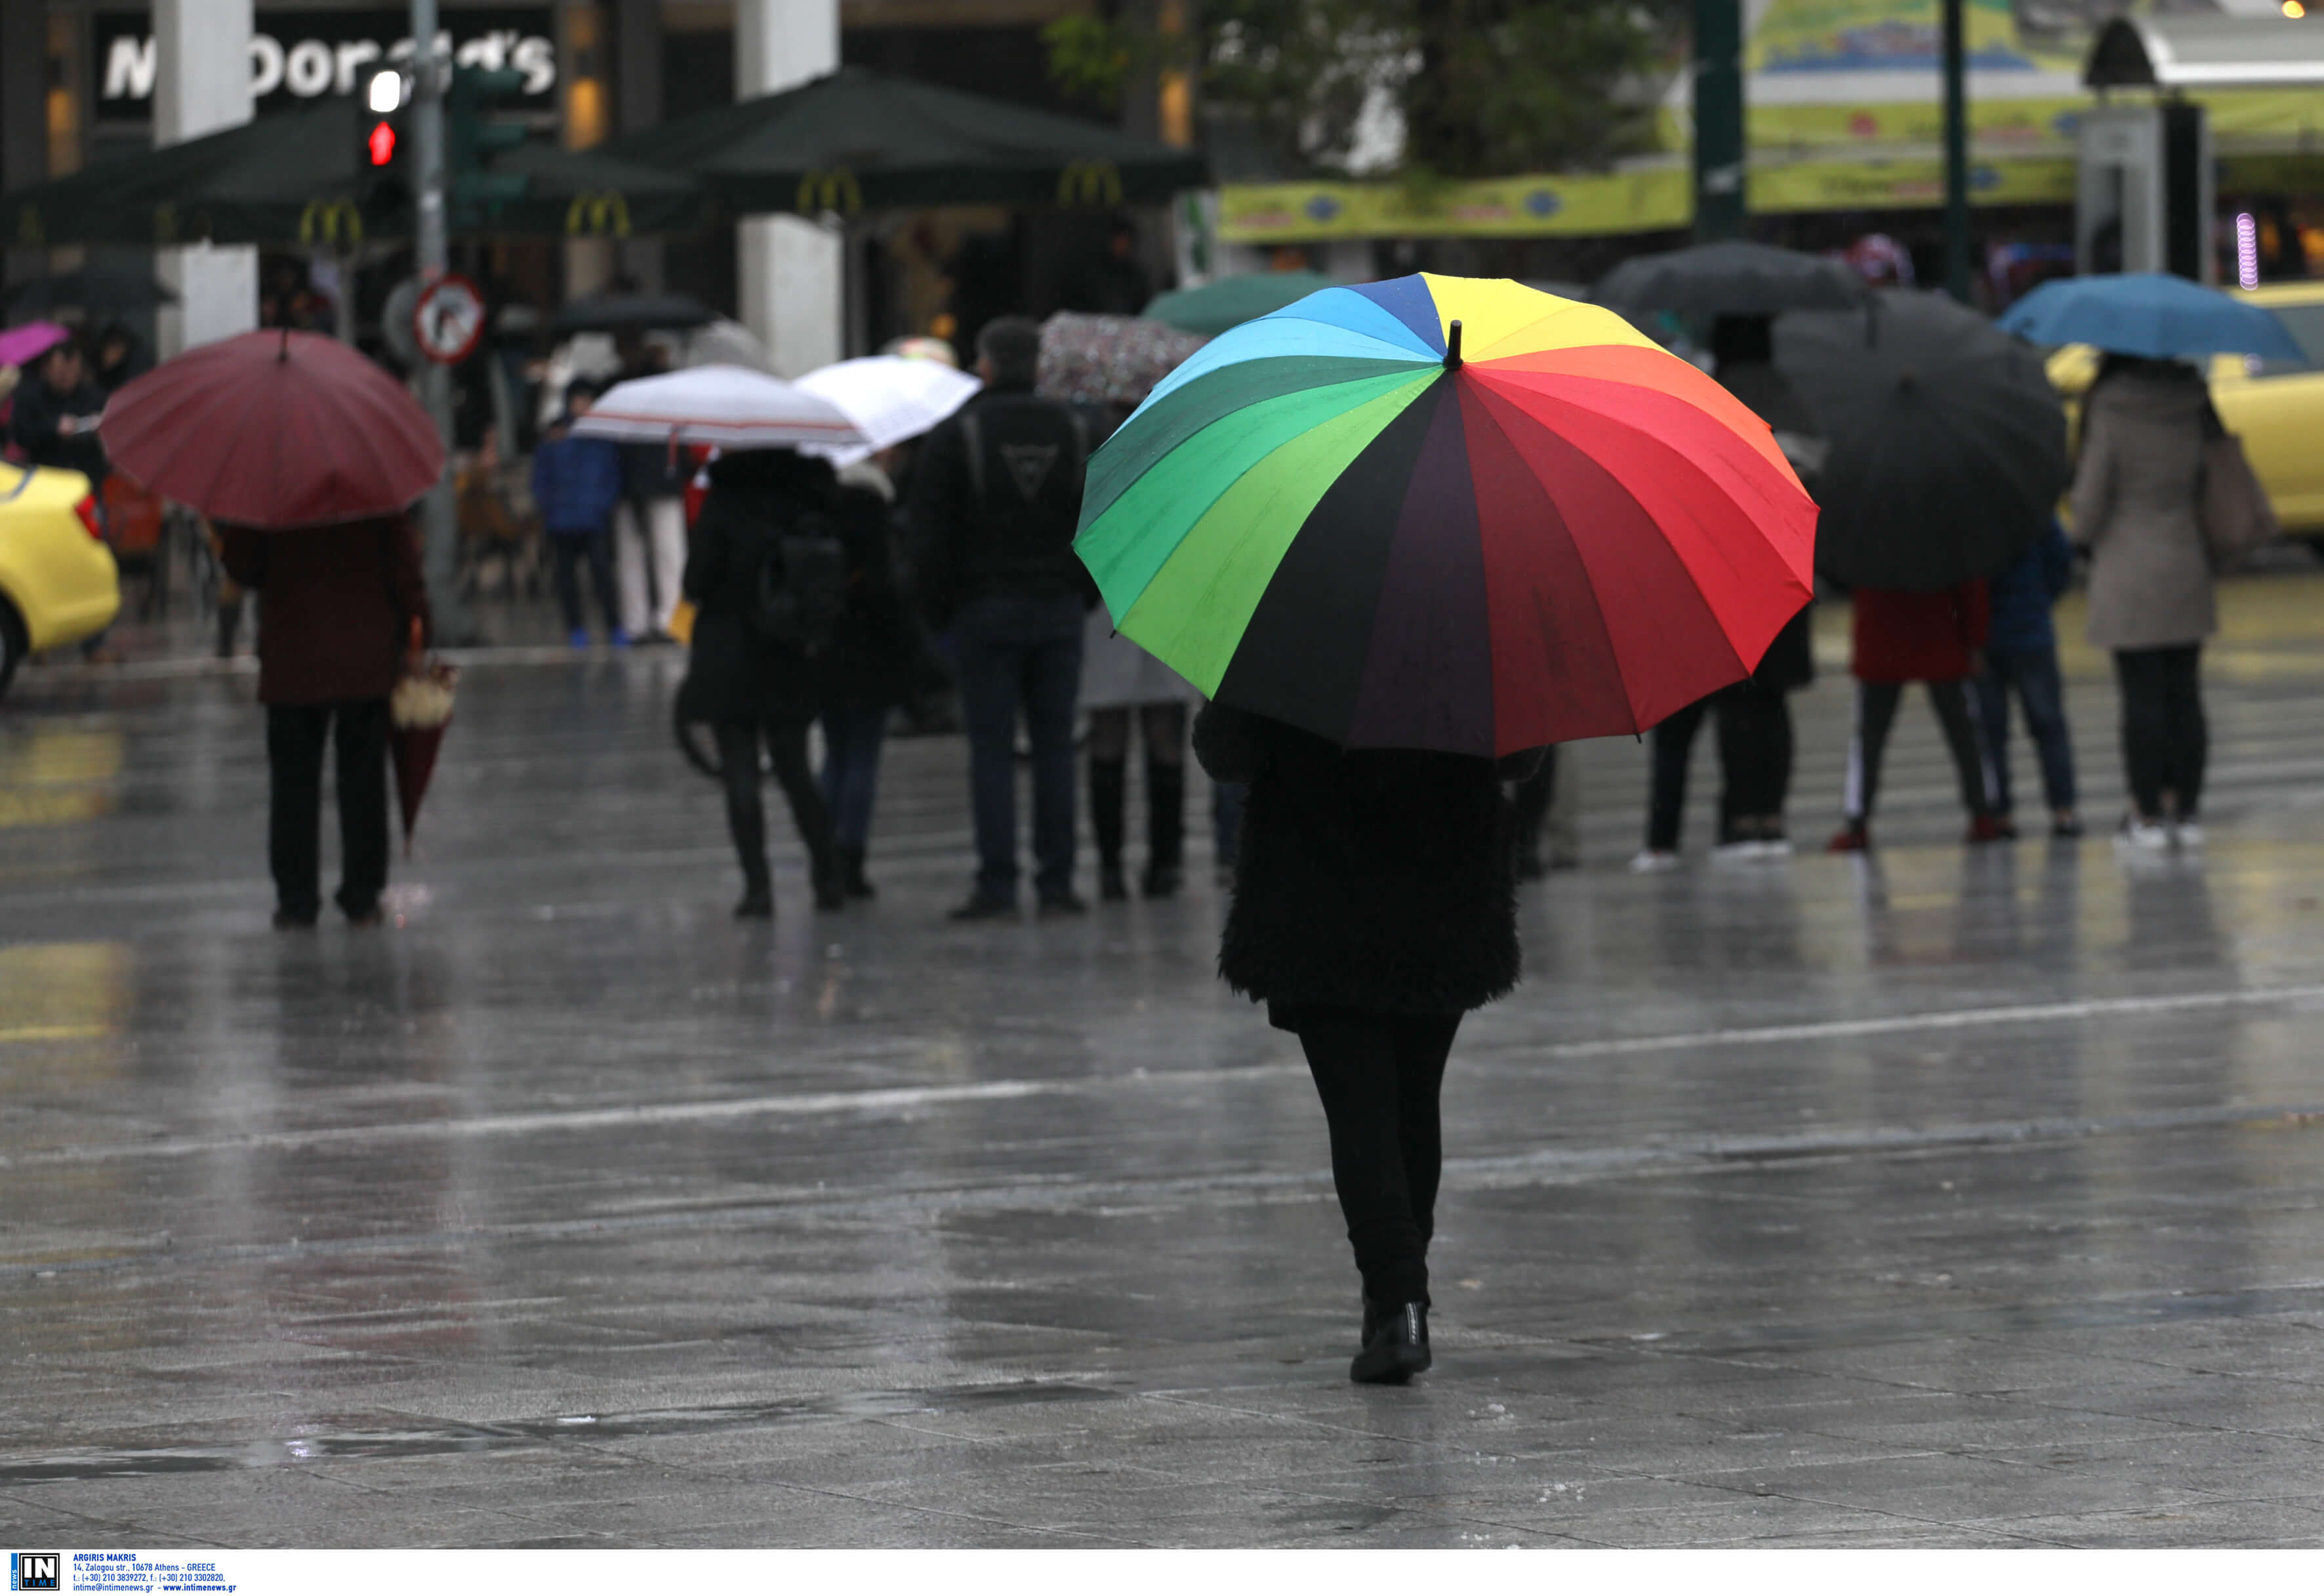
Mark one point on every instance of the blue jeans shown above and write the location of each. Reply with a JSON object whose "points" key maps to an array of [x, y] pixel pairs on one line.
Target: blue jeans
{"points": [[1020, 654], [2041, 694], [851, 772]]}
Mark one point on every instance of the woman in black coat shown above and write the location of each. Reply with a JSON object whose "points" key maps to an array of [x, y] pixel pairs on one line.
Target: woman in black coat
{"points": [[748, 686], [1375, 904]]}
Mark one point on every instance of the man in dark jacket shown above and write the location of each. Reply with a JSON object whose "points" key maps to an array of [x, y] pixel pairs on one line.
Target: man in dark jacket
{"points": [[55, 418], [576, 485], [994, 502], [2022, 656], [335, 626]]}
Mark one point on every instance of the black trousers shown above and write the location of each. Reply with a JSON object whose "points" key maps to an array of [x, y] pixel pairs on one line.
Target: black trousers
{"points": [[295, 737], [595, 549], [2165, 739], [1755, 760], [1876, 714], [746, 820], [1379, 1076]]}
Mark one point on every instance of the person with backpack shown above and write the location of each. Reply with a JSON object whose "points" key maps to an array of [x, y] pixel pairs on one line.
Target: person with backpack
{"points": [[577, 483], [995, 500], [768, 578]]}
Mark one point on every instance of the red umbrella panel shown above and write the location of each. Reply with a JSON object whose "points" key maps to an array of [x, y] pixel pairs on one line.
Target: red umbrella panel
{"points": [[274, 430]]}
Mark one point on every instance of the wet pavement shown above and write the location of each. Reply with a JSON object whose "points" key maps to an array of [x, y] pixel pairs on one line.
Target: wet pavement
{"points": [[1939, 1198]]}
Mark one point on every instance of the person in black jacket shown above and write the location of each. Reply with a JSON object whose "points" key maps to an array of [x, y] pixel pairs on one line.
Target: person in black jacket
{"points": [[54, 422], [748, 686], [1375, 904], [996, 495]]}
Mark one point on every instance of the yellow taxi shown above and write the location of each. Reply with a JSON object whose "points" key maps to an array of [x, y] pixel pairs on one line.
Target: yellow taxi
{"points": [[2276, 406], [58, 582]]}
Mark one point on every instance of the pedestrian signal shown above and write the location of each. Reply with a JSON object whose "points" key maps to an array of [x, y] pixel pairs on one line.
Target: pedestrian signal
{"points": [[380, 144], [382, 183]]}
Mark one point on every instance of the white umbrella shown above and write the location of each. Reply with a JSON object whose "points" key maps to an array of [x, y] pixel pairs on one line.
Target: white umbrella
{"points": [[727, 405], [890, 398]]}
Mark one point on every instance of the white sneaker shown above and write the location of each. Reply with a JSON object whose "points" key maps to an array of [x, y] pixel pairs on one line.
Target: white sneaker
{"points": [[1653, 862], [2189, 834], [1727, 852], [2145, 835], [1772, 847]]}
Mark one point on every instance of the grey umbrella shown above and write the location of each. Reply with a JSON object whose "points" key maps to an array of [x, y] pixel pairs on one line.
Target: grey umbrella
{"points": [[1731, 279], [1948, 446]]}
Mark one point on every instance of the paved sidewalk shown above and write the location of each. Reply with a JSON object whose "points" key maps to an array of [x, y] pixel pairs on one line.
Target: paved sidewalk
{"points": [[1938, 1197]]}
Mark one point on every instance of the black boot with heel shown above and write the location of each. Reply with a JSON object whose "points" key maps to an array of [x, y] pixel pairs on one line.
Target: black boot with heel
{"points": [[1396, 1344]]}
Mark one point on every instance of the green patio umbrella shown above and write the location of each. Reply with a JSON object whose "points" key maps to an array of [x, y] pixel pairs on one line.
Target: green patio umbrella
{"points": [[1230, 301], [291, 178], [857, 140]]}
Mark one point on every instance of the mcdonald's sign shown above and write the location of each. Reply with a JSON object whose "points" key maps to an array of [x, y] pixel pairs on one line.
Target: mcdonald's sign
{"points": [[605, 215], [325, 221], [836, 190], [1089, 182]]}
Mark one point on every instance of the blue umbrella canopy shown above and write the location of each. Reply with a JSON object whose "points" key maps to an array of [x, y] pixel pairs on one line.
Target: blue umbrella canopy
{"points": [[2153, 314]]}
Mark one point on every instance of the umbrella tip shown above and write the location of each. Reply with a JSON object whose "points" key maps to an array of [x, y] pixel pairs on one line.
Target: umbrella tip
{"points": [[1452, 348]]}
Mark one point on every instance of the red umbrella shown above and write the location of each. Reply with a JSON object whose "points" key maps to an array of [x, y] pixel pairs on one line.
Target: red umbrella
{"points": [[274, 430], [419, 712]]}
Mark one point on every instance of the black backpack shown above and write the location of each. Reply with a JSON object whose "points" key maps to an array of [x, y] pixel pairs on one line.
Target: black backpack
{"points": [[803, 587]]}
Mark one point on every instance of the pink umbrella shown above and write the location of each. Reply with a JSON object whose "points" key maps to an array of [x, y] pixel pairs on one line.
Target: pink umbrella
{"points": [[29, 341]]}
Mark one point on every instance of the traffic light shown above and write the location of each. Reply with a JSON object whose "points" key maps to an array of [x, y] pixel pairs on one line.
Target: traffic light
{"points": [[384, 160], [472, 135]]}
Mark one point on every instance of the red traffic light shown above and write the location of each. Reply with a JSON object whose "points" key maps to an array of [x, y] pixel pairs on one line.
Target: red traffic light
{"points": [[381, 144]]}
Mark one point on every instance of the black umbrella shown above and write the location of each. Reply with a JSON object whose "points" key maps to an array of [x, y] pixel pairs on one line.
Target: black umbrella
{"points": [[1948, 446], [1731, 279], [93, 289], [856, 139], [632, 313]]}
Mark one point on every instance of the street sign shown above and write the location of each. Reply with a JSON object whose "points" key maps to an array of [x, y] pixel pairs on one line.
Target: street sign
{"points": [[448, 320]]}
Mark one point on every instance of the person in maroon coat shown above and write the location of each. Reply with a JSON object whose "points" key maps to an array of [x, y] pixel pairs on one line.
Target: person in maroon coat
{"points": [[1937, 639], [334, 623]]}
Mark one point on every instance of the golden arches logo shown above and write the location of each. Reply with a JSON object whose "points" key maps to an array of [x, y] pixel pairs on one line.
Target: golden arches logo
{"points": [[324, 221], [605, 215], [836, 190], [28, 230], [1089, 182]]}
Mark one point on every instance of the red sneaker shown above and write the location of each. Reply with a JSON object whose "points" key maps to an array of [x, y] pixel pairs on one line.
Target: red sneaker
{"points": [[1990, 828], [1852, 838]]}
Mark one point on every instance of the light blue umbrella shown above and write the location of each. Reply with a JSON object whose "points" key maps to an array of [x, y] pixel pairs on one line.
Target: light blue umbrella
{"points": [[2150, 313]]}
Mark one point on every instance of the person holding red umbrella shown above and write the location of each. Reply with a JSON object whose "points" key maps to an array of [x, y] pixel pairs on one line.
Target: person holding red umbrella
{"points": [[307, 457]]}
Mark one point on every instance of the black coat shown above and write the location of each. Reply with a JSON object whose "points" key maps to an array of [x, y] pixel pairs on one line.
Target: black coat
{"points": [[880, 657], [1378, 880], [33, 424], [736, 675], [995, 500]]}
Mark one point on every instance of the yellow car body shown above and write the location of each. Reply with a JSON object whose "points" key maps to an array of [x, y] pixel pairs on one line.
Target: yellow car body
{"points": [[2276, 408], [58, 583]]}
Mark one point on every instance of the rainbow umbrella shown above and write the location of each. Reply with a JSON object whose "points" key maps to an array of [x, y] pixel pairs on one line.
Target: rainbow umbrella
{"points": [[1447, 512]]}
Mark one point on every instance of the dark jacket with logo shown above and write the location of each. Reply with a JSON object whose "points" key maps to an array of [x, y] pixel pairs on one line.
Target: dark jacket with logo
{"points": [[1373, 878], [340, 602], [736, 674], [996, 497]]}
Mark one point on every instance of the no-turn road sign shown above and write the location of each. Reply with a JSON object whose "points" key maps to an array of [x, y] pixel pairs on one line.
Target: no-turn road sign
{"points": [[448, 320]]}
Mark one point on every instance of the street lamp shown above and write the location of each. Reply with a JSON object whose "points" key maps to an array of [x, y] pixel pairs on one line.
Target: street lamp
{"points": [[386, 92]]}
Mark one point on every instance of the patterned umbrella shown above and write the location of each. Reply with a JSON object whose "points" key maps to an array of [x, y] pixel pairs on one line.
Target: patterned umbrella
{"points": [[1451, 514], [1109, 359]]}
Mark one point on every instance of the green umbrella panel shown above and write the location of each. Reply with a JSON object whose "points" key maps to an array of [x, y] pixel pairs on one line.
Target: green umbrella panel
{"points": [[1214, 308], [292, 178], [855, 139]]}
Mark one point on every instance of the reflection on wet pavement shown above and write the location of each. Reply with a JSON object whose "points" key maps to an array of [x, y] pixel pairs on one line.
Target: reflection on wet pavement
{"points": [[1937, 1197]]}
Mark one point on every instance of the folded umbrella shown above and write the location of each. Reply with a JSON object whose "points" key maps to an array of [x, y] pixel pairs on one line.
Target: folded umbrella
{"points": [[419, 713], [1230, 301], [1109, 359], [1732, 278], [274, 430], [889, 397], [1947, 447], [2153, 314], [21, 345], [1450, 513], [728, 405]]}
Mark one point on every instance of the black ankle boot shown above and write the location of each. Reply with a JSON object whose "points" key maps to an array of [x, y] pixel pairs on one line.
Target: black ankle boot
{"points": [[852, 876], [1396, 1344], [830, 884]]}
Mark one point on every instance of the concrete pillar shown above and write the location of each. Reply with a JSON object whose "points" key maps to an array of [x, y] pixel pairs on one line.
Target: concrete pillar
{"points": [[201, 53], [789, 270]]}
